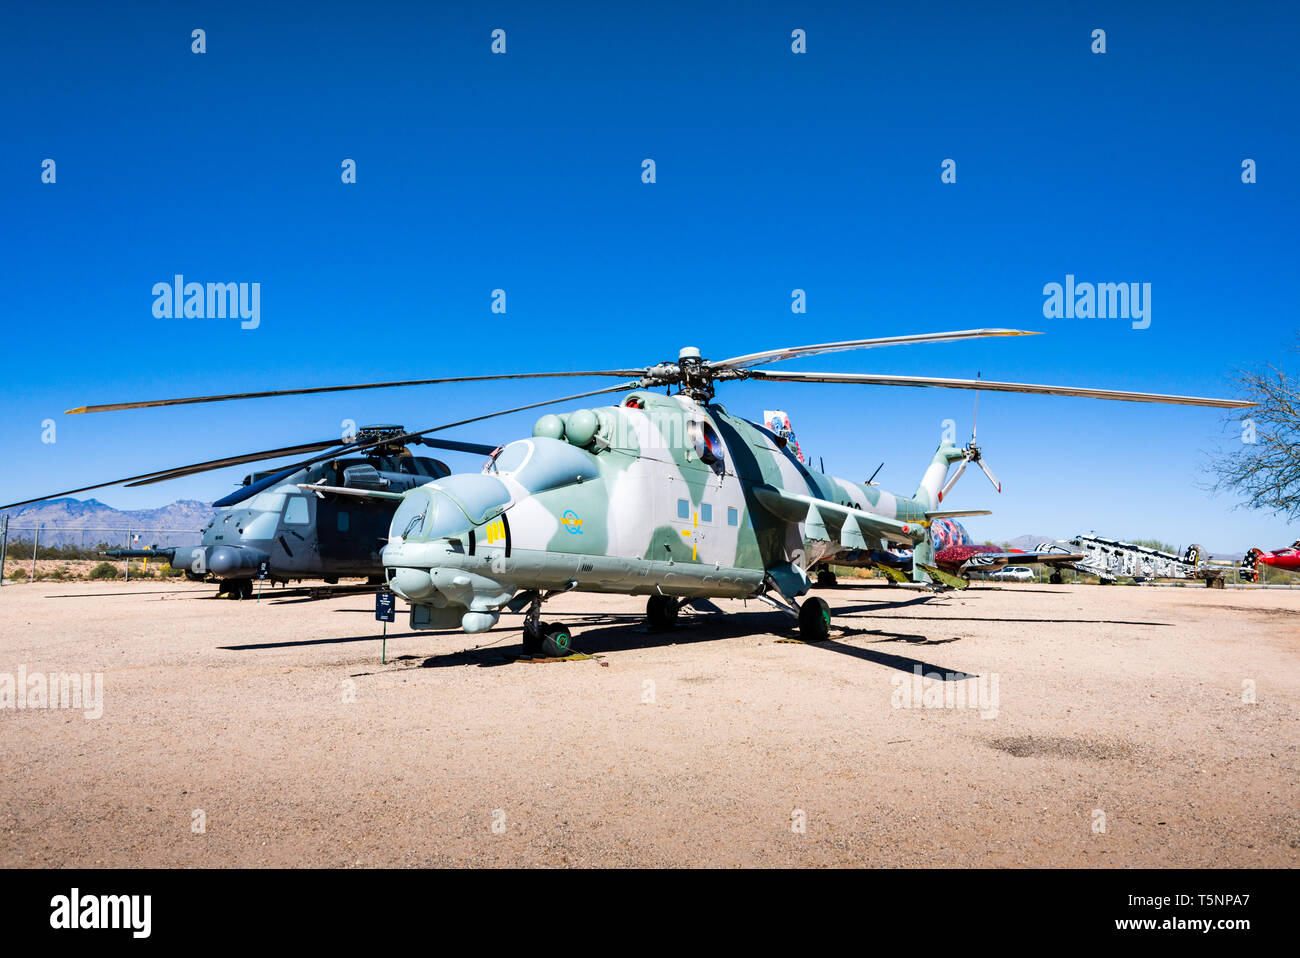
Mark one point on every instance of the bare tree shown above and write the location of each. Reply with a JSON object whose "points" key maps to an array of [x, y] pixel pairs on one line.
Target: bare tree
{"points": [[1262, 464]]}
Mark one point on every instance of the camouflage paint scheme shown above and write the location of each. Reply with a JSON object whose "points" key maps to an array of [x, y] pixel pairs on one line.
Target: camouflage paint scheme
{"points": [[658, 495]]}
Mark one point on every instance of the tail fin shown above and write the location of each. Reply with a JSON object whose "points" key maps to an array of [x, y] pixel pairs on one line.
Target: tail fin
{"points": [[927, 493]]}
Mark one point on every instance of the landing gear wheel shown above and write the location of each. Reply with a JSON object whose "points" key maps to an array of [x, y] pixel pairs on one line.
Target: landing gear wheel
{"points": [[532, 641], [814, 620], [245, 588], [661, 612], [1055, 578], [826, 579], [556, 640]]}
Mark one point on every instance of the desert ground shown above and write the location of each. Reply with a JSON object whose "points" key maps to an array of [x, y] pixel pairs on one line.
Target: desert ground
{"points": [[1116, 726]]}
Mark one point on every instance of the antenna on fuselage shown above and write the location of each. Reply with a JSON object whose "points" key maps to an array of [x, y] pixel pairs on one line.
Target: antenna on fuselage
{"points": [[874, 474]]}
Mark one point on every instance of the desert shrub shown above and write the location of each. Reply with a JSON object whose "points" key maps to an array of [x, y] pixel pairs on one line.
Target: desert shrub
{"points": [[105, 570]]}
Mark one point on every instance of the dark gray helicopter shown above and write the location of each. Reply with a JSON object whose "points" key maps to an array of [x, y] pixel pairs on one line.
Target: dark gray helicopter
{"points": [[323, 518]]}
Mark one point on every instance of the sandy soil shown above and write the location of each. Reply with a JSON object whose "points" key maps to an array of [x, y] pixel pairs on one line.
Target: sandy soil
{"points": [[1115, 707]]}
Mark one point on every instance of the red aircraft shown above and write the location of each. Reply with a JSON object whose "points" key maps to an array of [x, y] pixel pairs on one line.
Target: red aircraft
{"points": [[1286, 559]]}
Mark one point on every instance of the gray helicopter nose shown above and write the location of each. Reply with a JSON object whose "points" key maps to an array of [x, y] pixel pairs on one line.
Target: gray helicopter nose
{"points": [[230, 560]]}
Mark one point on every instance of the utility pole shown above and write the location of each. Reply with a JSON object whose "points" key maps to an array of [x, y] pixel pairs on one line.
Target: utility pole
{"points": [[128, 558], [4, 548], [35, 546]]}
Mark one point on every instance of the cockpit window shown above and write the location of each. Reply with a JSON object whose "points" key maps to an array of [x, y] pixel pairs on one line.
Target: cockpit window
{"points": [[476, 495], [511, 457], [409, 518], [448, 507], [267, 502], [296, 512], [542, 463]]}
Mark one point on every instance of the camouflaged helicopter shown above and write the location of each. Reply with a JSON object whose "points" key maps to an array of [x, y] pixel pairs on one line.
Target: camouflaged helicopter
{"points": [[667, 496]]}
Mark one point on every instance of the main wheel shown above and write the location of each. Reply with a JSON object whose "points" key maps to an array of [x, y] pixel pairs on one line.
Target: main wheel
{"points": [[533, 640], [826, 579], [1056, 578], [814, 620], [661, 611], [556, 640]]}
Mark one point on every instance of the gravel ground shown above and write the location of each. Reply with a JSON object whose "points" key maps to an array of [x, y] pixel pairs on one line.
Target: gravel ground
{"points": [[1112, 732]]}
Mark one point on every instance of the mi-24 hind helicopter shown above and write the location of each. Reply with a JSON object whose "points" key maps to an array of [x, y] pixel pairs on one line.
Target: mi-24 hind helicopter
{"points": [[273, 525], [668, 496]]}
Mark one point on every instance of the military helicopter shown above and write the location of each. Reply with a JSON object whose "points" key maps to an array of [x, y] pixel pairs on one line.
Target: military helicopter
{"points": [[312, 520], [668, 496]]}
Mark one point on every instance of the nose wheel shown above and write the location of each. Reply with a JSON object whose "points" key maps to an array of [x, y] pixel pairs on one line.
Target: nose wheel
{"points": [[550, 639], [814, 620], [235, 588]]}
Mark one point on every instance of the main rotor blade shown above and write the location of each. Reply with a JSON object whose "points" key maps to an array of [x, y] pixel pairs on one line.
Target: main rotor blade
{"points": [[335, 449], [479, 448], [239, 496], [869, 379], [211, 464], [794, 352], [148, 403], [143, 478]]}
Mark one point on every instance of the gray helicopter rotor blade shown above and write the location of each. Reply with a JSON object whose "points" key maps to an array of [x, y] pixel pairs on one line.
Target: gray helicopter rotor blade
{"points": [[335, 450], [452, 445], [146, 477], [227, 397], [198, 467], [795, 352], [870, 379]]}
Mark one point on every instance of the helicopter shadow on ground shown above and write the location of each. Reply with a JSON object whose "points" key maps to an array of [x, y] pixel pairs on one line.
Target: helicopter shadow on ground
{"points": [[866, 609], [622, 636]]}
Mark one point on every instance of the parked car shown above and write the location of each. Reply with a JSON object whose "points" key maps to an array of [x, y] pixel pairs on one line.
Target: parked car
{"points": [[1014, 573]]}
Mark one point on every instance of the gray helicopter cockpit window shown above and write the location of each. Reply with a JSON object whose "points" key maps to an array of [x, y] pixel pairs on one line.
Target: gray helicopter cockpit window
{"points": [[267, 502], [295, 513], [421, 466], [541, 463]]}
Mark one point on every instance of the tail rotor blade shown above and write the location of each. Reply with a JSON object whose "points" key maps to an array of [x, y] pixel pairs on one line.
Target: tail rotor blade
{"points": [[953, 481], [989, 472]]}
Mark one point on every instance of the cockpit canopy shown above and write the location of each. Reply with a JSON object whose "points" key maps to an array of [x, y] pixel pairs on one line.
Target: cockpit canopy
{"points": [[542, 463], [449, 506]]}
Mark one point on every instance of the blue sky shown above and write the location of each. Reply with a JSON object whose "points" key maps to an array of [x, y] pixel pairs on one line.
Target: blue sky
{"points": [[775, 171]]}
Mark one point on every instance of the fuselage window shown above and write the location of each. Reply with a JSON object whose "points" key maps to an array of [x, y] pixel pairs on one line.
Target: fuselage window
{"points": [[733, 516], [706, 513], [683, 509]]}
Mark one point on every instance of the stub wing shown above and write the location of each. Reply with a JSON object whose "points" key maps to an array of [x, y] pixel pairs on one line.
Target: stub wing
{"points": [[851, 528]]}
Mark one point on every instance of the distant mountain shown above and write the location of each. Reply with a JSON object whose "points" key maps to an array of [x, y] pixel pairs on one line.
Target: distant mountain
{"points": [[89, 521]]}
